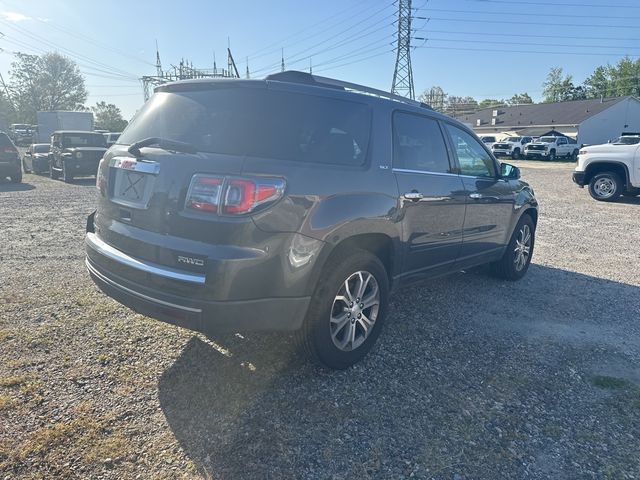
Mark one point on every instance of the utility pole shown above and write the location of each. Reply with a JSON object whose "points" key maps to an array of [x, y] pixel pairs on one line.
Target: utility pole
{"points": [[403, 74], [282, 62], [158, 62], [248, 76]]}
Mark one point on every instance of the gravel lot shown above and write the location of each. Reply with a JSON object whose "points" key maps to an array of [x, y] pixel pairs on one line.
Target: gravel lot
{"points": [[472, 378]]}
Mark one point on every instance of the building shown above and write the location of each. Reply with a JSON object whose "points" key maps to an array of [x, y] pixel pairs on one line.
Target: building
{"points": [[590, 121]]}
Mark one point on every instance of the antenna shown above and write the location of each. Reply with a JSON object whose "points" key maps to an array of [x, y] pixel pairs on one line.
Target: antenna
{"points": [[403, 74]]}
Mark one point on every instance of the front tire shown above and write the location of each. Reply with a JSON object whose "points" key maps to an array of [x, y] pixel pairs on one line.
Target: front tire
{"points": [[53, 173], [67, 176], [552, 155], [605, 187], [515, 155], [347, 310], [516, 259]]}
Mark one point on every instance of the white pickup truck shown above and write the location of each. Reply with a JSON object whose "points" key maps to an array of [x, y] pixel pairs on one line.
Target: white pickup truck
{"points": [[550, 148], [511, 147], [610, 170]]}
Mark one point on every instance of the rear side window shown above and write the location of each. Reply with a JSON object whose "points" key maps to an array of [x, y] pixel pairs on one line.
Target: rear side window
{"points": [[418, 144], [258, 123], [5, 141]]}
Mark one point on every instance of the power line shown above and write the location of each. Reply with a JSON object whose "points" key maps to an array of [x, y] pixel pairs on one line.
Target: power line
{"points": [[500, 34], [573, 15], [527, 51], [535, 44], [548, 24], [552, 4]]}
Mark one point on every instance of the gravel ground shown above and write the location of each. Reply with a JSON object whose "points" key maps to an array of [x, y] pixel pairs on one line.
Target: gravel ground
{"points": [[472, 378]]}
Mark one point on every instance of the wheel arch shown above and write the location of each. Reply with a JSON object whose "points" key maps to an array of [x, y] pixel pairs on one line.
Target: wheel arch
{"points": [[607, 166]]}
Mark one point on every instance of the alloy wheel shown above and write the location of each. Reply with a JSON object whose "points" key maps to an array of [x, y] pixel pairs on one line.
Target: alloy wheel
{"points": [[522, 250], [354, 311]]}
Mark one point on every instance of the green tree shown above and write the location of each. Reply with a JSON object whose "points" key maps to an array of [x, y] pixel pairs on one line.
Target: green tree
{"points": [[108, 117], [520, 99], [490, 102], [599, 83], [435, 98], [48, 82], [557, 87], [456, 106]]}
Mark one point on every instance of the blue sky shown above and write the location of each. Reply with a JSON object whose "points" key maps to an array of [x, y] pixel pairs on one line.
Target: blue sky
{"points": [[481, 48]]}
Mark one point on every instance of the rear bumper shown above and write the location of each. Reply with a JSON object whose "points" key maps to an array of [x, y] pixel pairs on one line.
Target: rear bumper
{"points": [[175, 306], [578, 178]]}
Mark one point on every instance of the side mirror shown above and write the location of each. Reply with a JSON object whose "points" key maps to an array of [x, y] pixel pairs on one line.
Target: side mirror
{"points": [[509, 171]]}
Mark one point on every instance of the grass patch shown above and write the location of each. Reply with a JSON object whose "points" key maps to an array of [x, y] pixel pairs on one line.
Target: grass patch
{"points": [[13, 380], [5, 402], [610, 383]]}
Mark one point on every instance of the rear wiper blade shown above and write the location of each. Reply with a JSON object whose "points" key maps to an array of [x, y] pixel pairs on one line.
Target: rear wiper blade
{"points": [[163, 143]]}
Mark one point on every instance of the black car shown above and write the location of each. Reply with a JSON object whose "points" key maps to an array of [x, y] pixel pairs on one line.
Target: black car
{"points": [[9, 160], [36, 158], [297, 203], [75, 153]]}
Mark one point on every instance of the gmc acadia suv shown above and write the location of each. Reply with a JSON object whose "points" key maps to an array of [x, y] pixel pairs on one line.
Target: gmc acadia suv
{"points": [[297, 203]]}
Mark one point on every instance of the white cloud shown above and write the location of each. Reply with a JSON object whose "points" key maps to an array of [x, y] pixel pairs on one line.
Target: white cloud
{"points": [[14, 16]]}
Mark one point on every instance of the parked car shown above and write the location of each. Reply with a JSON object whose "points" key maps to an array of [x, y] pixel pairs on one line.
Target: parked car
{"points": [[488, 140], [610, 170], [550, 148], [36, 158], [75, 153], [111, 137], [9, 160], [264, 205], [511, 147]]}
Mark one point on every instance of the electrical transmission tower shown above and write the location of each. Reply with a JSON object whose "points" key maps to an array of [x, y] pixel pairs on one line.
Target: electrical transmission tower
{"points": [[403, 74]]}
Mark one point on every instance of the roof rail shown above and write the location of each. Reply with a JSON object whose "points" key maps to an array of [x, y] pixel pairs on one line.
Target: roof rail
{"points": [[294, 76]]}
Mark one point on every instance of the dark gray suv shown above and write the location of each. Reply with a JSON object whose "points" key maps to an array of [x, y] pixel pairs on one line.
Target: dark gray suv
{"points": [[297, 203]]}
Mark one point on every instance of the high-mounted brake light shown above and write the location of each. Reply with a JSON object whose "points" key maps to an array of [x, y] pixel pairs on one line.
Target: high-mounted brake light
{"points": [[232, 196]]}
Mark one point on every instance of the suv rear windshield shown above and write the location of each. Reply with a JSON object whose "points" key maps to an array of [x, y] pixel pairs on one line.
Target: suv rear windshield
{"points": [[257, 122], [83, 140], [5, 141]]}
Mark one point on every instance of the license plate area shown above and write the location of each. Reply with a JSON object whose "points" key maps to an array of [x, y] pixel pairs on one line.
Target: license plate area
{"points": [[132, 182]]}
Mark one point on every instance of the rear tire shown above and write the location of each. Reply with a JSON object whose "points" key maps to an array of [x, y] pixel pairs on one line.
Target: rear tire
{"points": [[516, 259], [16, 178], [605, 187], [339, 328], [24, 167], [574, 155]]}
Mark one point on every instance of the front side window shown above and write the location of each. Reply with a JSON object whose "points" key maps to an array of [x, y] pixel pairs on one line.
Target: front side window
{"points": [[418, 144], [474, 160]]}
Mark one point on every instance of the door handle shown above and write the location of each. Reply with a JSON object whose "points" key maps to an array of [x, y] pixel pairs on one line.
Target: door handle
{"points": [[414, 196], [475, 196]]}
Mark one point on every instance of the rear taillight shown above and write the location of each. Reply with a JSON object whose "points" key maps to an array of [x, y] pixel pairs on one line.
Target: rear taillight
{"points": [[204, 193], [232, 196]]}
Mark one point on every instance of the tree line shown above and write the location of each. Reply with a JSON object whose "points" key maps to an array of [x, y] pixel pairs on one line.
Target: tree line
{"points": [[617, 80], [51, 82]]}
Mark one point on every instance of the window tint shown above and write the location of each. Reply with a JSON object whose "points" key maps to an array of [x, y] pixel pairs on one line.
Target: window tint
{"points": [[259, 123], [418, 144], [473, 158]]}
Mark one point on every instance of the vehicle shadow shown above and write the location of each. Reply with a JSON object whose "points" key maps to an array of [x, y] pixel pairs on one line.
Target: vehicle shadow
{"points": [[629, 200], [84, 182], [15, 187], [451, 387]]}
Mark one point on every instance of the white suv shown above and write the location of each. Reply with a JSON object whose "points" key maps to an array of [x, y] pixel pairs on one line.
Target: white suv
{"points": [[550, 148], [511, 147]]}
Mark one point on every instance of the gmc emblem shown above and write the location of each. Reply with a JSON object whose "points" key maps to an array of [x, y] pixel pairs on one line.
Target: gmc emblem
{"points": [[191, 261]]}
